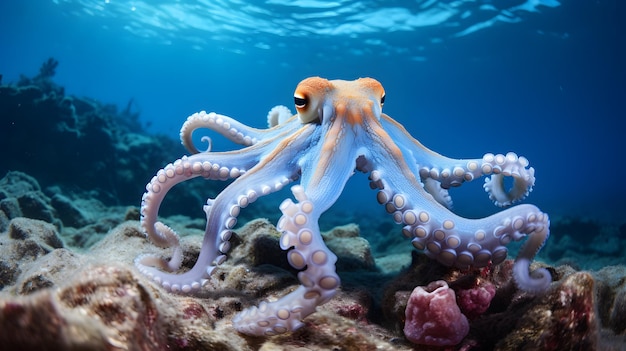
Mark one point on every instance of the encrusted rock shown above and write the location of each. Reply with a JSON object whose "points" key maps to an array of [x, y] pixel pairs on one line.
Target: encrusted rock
{"points": [[103, 308], [564, 319], [353, 252], [43, 233], [68, 212], [611, 286]]}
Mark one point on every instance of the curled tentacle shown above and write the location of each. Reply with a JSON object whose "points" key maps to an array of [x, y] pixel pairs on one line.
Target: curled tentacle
{"points": [[160, 234], [452, 172], [278, 115], [461, 242], [270, 174], [447, 237], [539, 280], [220, 167], [226, 126], [230, 128], [222, 215], [513, 166], [172, 174]]}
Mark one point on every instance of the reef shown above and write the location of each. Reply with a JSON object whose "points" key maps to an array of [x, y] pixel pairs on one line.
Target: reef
{"points": [[60, 292], [79, 144]]}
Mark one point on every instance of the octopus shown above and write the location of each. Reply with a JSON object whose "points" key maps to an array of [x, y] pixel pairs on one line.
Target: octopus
{"points": [[339, 128]]}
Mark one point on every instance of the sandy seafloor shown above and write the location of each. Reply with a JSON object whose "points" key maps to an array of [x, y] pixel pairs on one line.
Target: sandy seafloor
{"points": [[70, 232]]}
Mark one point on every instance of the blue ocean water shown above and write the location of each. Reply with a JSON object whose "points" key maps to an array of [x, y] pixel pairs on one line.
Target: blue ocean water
{"points": [[543, 78]]}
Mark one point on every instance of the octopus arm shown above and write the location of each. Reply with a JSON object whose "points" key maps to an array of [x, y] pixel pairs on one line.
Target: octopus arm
{"points": [[270, 174], [449, 238], [323, 179], [216, 166], [451, 172], [234, 130]]}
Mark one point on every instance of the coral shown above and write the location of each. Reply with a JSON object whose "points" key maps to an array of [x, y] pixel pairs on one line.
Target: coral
{"points": [[96, 149], [433, 317], [48, 69], [476, 300]]}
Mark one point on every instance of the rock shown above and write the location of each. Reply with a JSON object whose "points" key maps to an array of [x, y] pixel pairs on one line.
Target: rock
{"points": [[26, 241], [4, 220], [43, 233], [353, 252], [98, 301], [16, 184], [51, 270], [262, 247], [68, 212], [103, 308], [611, 287], [23, 197], [33, 205], [77, 288], [564, 319], [10, 208], [9, 271]]}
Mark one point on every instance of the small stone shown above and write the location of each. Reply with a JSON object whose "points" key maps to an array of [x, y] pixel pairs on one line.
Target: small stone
{"points": [[10, 207], [70, 215], [44, 234], [33, 206]]}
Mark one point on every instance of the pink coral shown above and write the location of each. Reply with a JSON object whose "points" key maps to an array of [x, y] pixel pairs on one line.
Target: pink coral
{"points": [[475, 301], [433, 317]]}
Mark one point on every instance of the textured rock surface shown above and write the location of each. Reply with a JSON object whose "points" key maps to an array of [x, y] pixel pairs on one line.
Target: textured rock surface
{"points": [[74, 287], [96, 300]]}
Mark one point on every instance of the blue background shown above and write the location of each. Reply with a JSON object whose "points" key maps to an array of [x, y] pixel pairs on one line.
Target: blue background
{"points": [[464, 77]]}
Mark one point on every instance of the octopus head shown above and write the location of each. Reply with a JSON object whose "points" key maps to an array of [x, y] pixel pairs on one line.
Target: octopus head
{"points": [[318, 99]]}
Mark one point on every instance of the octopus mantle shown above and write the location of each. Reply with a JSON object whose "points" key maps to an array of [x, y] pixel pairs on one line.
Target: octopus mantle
{"points": [[339, 127]]}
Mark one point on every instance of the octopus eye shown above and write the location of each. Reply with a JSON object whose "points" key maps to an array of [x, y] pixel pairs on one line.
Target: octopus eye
{"points": [[382, 99], [300, 101]]}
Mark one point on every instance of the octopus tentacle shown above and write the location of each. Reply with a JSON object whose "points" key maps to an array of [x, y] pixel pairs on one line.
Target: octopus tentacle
{"points": [[271, 174], [454, 172], [461, 242], [230, 128], [216, 166], [222, 215], [440, 195], [338, 123], [181, 170], [278, 115], [299, 225], [538, 236], [172, 174], [509, 165], [301, 236], [449, 238]]}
